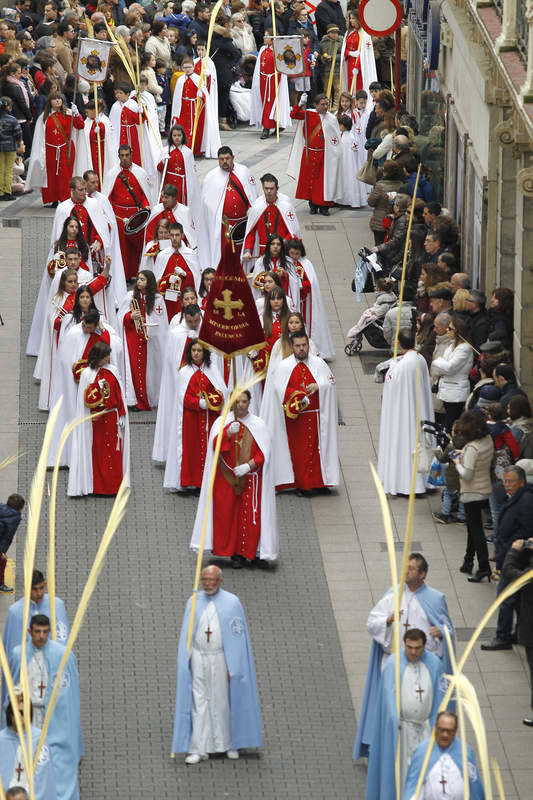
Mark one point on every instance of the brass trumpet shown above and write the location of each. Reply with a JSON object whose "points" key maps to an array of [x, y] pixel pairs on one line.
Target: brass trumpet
{"points": [[140, 324]]}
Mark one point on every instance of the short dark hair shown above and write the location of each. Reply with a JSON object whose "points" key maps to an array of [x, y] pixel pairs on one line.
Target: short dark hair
{"points": [[89, 172], [37, 577], [447, 258], [15, 791], [519, 406], [393, 170], [411, 165], [175, 226], [39, 619], [506, 372], [63, 27], [15, 501], [423, 565], [74, 181], [299, 334], [92, 317], [192, 310], [446, 714], [472, 425], [296, 244], [415, 635], [157, 26], [224, 151], [406, 338], [375, 86], [433, 207], [10, 719], [123, 148], [170, 189], [496, 411], [269, 178], [346, 122]]}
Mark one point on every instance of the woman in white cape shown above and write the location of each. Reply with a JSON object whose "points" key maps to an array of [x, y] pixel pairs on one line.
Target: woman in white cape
{"points": [[361, 58], [176, 166], [201, 371], [311, 302], [81, 479]]}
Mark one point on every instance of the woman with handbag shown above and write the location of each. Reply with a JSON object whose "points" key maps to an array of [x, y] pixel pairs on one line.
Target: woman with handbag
{"points": [[473, 465]]}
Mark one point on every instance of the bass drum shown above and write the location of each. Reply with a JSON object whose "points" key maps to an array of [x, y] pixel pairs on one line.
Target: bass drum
{"points": [[137, 221], [238, 230]]}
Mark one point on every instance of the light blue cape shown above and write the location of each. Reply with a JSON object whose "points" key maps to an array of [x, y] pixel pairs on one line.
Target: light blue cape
{"points": [[44, 776], [477, 792], [243, 696]]}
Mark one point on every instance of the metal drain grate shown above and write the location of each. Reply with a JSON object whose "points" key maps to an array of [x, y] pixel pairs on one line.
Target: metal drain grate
{"points": [[416, 547], [318, 227]]}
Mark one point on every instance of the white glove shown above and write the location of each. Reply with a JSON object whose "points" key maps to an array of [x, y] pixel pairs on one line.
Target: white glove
{"points": [[242, 469], [181, 272], [303, 100], [203, 404], [354, 53], [74, 109], [234, 428], [122, 422], [252, 354], [304, 402]]}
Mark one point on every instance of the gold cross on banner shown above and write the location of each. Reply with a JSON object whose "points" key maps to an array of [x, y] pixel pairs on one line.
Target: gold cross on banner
{"points": [[228, 304]]}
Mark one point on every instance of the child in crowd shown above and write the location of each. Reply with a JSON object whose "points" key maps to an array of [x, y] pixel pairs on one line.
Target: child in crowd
{"points": [[450, 493], [166, 98], [385, 300]]}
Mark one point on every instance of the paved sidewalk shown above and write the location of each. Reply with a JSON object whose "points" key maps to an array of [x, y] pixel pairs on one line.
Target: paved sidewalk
{"points": [[308, 618]]}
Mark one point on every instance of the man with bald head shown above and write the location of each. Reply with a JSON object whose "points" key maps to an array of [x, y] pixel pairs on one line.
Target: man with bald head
{"points": [[217, 704], [460, 280]]}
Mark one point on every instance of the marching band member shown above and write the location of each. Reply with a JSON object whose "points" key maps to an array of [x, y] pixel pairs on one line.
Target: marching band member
{"points": [[176, 268], [263, 106]]}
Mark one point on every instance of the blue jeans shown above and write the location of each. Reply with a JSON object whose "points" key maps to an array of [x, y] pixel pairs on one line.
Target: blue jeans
{"points": [[447, 503]]}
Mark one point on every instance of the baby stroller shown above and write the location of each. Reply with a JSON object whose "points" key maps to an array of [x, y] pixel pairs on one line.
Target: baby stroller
{"points": [[364, 281], [440, 433]]}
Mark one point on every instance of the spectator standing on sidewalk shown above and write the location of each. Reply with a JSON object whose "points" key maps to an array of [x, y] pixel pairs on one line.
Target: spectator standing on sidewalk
{"points": [[519, 559], [10, 517]]}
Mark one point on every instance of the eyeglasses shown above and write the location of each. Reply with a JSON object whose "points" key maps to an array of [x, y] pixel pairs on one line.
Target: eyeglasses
{"points": [[450, 329]]}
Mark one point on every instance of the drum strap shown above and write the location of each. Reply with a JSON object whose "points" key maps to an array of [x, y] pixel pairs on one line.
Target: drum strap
{"points": [[235, 185], [267, 222], [126, 183]]}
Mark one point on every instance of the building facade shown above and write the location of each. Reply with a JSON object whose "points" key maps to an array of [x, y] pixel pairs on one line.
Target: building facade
{"points": [[478, 78]]}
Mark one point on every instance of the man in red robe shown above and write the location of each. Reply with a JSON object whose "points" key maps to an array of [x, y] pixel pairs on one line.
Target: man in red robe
{"points": [[322, 137], [301, 412], [268, 215], [175, 268], [127, 196], [78, 195]]}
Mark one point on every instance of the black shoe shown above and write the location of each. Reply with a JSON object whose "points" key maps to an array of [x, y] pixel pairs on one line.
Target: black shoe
{"points": [[466, 567], [313, 209], [260, 563], [237, 562], [5, 198], [265, 134], [497, 644], [527, 721], [324, 210], [480, 575], [5, 589], [443, 519]]}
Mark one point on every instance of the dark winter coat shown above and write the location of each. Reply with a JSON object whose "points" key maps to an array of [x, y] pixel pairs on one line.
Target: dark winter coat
{"points": [[329, 14], [515, 521], [9, 522], [224, 54], [516, 563], [10, 133], [391, 251]]}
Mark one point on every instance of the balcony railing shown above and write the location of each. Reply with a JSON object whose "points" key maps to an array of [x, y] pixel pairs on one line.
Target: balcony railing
{"points": [[522, 30], [498, 5]]}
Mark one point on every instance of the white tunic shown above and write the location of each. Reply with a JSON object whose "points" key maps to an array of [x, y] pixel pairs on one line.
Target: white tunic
{"points": [[445, 769], [413, 615], [211, 717], [38, 680], [416, 701]]}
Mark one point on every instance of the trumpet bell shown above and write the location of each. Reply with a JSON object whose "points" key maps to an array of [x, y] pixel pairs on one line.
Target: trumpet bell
{"points": [[137, 221]]}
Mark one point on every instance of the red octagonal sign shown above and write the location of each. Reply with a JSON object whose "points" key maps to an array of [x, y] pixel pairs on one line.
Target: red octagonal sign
{"points": [[380, 17]]}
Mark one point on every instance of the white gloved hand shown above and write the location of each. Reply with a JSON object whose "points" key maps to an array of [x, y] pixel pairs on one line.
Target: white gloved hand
{"points": [[122, 422], [234, 428], [203, 404], [181, 272], [304, 402], [303, 100], [353, 53], [74, 109], [252, 354], [242, 469]]}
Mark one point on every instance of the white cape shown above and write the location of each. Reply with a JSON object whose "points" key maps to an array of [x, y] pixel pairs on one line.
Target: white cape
{"points": [[189, 255], [256, 105], [397, 432], [183, 215], [332, 156], [80, 479], [69, 351], [213, 193], [157, 327], [110, 151], [354, 192], [367, 61], [286, 209], [211, 136], [273, 414], [192, 182], [268, 547], [171, 479], [314, 312], [142, 176]]}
